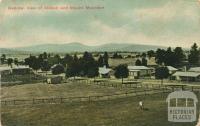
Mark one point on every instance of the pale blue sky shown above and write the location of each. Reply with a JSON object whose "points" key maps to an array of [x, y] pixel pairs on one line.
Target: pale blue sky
{"points": [[152, 22]]}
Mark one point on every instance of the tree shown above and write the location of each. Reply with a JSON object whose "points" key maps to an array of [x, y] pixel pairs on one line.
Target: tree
{"points": [[93, 71], [161, 73], [105, 57], [3, 58], [16, 62], [117, 56], [160, 56], [66, 60], [150, 53], [144, 55], [179, 55], [83, 66], [75, 58], [144, 61], [45, 66], [138, 62], [86, 63], [33, 62], [58, 69], [194, 55], [36, 63], [169, 59], [121, 71], [10, 61], [45, 55], [100, 61], [73, 68], [57, 59], [54, 60]]}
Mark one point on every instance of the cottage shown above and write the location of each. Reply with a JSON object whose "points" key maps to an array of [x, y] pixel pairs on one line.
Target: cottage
{"points": [[139, 71], [187, 76], [104, 72], [5, 70], [21, 70]]}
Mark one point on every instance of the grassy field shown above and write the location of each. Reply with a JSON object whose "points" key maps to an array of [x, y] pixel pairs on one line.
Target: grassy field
{"points": [[116, 112], [119, 112], [40, 90]]}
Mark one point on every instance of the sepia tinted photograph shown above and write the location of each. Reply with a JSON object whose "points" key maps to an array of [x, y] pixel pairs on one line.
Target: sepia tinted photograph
{"points": [[99, 62]]}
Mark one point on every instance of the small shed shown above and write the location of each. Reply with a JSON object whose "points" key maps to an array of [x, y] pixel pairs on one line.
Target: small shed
{"points": [[54, 79]]}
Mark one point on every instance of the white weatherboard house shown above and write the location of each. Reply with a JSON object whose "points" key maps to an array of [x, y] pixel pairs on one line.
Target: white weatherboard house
{"points": [[139, 71], [21, 70], [16, 70], [104, 72], [195, 69], [171, 69], [187, 76], [5, 70]]}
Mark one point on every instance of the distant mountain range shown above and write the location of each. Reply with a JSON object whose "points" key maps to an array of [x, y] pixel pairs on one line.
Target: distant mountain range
{"points": [[78, 47]]}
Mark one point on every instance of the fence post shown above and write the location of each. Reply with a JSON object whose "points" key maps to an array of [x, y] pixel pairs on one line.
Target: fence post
{"points": [[61, 100], [33, 101], [14, 102]]}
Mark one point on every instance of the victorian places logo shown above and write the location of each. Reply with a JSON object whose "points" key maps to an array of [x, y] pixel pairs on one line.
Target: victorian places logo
{"points": [[182, 106]]}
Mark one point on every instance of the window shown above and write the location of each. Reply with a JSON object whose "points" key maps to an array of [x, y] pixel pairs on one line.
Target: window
{"points": [[181, 102], [190, 102], [173, 102]]}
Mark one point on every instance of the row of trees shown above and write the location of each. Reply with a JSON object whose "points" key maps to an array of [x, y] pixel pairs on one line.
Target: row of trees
{"points": [[10, 61], [72, 65], [170, 57], [177, 56], [194, 56]]}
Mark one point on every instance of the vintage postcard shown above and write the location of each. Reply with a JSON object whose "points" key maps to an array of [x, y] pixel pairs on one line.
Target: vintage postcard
{"points": [[100, 62]]}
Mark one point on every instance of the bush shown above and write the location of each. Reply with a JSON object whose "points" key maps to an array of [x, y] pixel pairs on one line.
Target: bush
{"points": [[57, 69]]}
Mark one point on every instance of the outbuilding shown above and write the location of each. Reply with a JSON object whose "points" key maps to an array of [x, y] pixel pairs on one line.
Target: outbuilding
{"points": [[54, 79]]}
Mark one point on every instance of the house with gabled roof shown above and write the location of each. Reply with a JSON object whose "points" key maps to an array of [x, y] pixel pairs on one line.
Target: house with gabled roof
{"points": [[139, 71], [104, 72], [187, 76]]}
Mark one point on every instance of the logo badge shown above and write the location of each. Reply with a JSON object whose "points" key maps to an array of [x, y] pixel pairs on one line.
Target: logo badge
{"points": [[182, 106]]}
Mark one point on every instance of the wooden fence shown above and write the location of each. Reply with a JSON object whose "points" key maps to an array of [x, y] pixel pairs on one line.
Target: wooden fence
{"points": [[61, 100]]}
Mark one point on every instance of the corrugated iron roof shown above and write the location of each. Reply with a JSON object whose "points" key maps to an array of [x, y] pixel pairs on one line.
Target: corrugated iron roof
{"points": [[103, 70], [138, 68], [186, 74], [195, 69], [170, 68]]}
